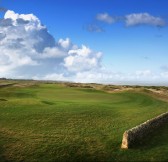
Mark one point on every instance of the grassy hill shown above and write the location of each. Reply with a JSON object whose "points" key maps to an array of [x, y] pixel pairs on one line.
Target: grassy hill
{"points": [[58, 122]]}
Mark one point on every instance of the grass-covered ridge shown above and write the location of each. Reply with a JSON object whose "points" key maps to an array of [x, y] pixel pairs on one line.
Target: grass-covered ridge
{"points": [[58, 122]]}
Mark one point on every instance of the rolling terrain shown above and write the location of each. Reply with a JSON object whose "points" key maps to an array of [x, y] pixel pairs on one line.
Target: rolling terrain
{"points": [[44, 121]]}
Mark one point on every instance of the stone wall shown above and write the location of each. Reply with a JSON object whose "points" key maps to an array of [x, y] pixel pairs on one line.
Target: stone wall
{"points": [[132, 136]]}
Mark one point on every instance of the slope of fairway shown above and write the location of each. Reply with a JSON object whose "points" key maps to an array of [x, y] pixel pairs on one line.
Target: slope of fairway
{"points": [[51, 122]]}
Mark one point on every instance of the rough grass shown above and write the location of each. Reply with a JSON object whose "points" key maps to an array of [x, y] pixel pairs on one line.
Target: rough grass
{"points": [[53, 122]]}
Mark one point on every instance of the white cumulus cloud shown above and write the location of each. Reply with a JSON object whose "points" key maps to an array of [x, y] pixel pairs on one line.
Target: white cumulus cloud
{"points": [[132, 19], [28, 49], [143, 19], [82, 59], [105, 17], [66, 44]]}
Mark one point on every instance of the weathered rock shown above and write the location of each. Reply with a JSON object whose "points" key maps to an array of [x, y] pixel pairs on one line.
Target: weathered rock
{"points": [[132, 136]]}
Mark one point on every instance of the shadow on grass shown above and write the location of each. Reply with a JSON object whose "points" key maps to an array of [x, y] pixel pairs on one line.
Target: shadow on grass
{"points": [[6, 85], [2, 99], [157, 138], [2, 157], [48, 102]]}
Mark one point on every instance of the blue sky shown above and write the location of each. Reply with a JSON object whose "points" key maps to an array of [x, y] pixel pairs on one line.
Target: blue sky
{"points": [[131, 35]]}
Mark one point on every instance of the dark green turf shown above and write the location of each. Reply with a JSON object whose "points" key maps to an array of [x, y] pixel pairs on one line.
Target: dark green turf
{"points": [[51, 122]]}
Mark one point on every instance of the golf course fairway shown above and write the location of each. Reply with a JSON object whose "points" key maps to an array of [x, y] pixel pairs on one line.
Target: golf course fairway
{"points": [[53, 122]]}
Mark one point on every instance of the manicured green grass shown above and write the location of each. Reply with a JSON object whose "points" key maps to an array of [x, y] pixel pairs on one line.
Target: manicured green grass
{"points": [[51, 122]]}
